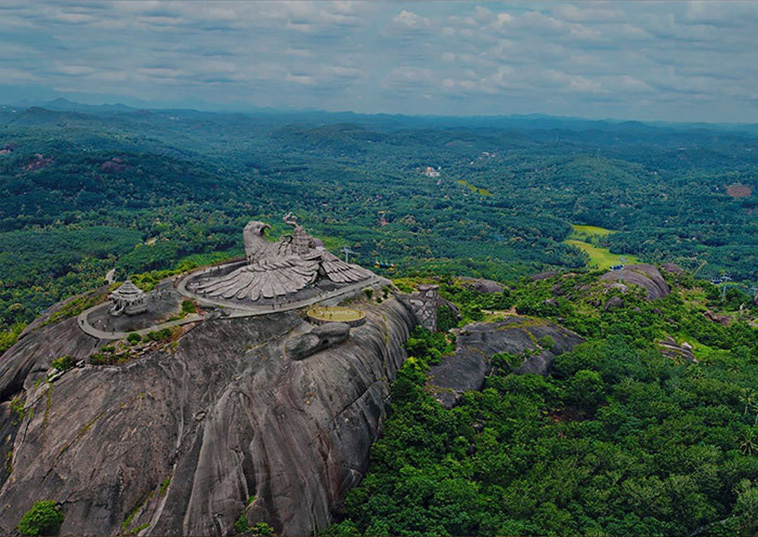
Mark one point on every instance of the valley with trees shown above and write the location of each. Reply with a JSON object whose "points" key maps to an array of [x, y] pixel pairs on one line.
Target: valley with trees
{"points": [[139, 191], [622, 436], [378, 269]]}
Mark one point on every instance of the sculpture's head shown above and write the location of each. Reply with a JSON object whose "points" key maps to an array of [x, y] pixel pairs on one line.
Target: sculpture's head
{"points": [[290, 219], [255, 227]]}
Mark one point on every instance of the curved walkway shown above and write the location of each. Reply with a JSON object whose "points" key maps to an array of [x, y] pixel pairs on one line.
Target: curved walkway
{"points": [[87, 328], [229, 312]]}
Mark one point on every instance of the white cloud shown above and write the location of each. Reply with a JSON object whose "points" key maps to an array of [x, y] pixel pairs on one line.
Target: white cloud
{"points": [[12, 74], [75, 18], [586, 57], [74, 70], [160, 72], [300, 52], [721, 14], [410, 21], [305, 80], [589, 12]]}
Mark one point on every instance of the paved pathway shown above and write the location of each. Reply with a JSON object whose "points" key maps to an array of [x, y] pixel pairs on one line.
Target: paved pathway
{"points": [[87, 328], [232, 313]]}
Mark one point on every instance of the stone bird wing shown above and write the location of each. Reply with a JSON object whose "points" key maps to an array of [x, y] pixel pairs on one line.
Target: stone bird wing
{"points": [[266, 278], [340, 272]]}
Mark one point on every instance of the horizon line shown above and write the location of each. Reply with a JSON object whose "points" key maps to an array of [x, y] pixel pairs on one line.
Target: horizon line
{"points": [[284, 111]]}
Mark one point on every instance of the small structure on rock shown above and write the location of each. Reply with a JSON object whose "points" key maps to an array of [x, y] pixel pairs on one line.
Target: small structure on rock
{"points": [[335, 314], [128, 299]]}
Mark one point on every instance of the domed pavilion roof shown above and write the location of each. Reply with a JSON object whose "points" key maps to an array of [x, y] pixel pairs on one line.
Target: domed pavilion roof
{"points": [[128, 292]]}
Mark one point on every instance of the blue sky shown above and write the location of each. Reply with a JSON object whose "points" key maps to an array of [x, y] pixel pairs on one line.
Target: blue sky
{"points": [[677, 61]]}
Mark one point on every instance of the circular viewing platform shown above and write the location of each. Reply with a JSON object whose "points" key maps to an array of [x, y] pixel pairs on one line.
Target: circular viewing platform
{"points": [[336, 314]]}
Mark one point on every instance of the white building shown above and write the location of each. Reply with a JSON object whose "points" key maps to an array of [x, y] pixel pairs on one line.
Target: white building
{"points": [[128, 299]]}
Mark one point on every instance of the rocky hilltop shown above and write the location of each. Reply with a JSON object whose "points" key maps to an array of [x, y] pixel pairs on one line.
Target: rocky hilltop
{"points": [[185, 439], [534, 341], [267, 416], [646, 276]]}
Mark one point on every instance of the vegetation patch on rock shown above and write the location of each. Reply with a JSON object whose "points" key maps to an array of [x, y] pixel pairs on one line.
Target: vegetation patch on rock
{"points": [[44, 518]]}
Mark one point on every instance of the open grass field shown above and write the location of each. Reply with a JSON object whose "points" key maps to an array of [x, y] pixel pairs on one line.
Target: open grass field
{"points": [[474, 188], [602, 258], [587, 233], [586, 239]]}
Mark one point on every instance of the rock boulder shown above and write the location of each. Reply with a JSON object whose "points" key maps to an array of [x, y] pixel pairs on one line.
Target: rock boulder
{"points": [[672, 268], [646, 276], [318, 339], [481, 285], [671, 349], [478, 342], [613, 303]]}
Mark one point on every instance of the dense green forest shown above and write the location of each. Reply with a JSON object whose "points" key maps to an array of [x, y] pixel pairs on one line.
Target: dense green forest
{"points": [[618, 440], [138, 190]]}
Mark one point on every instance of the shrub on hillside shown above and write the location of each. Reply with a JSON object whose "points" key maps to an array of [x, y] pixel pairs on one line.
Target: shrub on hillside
{"points": [[134, 338], [64, 363], [44, 518]]}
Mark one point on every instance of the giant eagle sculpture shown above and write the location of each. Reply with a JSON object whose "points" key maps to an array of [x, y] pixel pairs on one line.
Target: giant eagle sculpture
{"points": [[280, 268]]}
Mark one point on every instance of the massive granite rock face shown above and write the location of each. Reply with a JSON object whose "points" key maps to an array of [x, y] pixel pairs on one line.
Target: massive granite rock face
{"points": [[478, 342], [646, 276], [184, 440]]}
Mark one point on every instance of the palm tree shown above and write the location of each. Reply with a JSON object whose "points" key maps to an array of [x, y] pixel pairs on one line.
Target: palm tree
{"points": [[747, 397], [749, 444]]}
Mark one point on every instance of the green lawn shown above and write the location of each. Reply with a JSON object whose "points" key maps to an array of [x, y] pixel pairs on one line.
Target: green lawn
{"points": [[587, 233], [602, 258], [586, 239]]}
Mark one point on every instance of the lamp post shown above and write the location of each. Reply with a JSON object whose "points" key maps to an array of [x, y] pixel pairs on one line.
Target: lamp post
{"points": [[347, 251]]}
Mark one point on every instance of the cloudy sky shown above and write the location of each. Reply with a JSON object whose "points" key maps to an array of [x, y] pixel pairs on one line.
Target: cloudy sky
{"points": [[679, 61]]}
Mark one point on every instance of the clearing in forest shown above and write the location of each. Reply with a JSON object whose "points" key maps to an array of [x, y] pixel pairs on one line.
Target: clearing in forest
{"points": [[474, 188], [586, 238], [587, 233]]}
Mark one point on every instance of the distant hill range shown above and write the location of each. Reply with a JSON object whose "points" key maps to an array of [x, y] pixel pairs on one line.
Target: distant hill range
{"points": [[516, 121], [64, 105]]}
